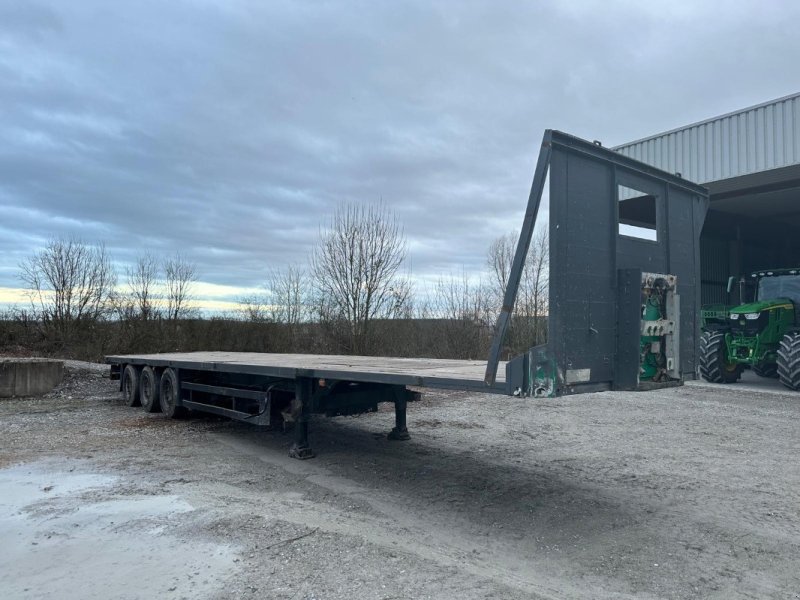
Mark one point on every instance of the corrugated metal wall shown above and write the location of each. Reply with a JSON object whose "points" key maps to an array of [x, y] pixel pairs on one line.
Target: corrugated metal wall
{"points": [[717, 262], [754, 139], [714, 270]]}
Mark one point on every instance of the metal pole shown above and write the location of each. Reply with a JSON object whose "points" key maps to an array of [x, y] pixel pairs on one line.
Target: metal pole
{"points": [[510, 297], [301, 449], [400, 431]]}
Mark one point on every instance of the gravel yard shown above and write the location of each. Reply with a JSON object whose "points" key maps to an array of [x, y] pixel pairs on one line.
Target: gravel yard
{"points": [[690, 492]]}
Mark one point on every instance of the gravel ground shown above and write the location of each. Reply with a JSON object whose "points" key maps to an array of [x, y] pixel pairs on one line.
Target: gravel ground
{"points": [[691, 492]]}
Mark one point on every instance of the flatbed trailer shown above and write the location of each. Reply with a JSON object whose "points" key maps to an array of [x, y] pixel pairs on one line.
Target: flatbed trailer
{"points": [[276, 389], [615, 316]]}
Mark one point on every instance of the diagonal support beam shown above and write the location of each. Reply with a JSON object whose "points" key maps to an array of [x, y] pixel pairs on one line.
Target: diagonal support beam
{"points": [[512, 286]]}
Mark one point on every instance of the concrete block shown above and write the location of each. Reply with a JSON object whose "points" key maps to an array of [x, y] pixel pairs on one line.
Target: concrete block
{"points": [[29, 376]]}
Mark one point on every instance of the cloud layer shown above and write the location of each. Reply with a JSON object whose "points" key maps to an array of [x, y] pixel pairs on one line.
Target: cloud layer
{"points": [[229, 130]]}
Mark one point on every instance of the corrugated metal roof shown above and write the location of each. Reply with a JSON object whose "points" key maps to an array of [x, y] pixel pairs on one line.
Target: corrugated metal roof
{"points": [[759, 138]]}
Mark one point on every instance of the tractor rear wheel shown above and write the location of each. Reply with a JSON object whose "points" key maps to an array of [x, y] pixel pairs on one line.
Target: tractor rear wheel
{"points": [[766, 370], [714, 366], [789, 360]]}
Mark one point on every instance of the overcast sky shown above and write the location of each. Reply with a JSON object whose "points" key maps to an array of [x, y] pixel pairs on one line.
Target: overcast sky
{"points": [[229, 130]]}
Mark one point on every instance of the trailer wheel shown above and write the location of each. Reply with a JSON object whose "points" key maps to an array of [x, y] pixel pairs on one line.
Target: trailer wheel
{"points": [[148, 386], [130, 386], [168, 394], [713, 364], [789, 360]]}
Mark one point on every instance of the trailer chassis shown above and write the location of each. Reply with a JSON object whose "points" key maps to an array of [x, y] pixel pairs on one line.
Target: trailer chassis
{"points": [[268, 401]]}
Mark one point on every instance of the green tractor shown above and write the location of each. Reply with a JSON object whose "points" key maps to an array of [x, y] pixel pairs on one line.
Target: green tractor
{"points": [[763, 335]]}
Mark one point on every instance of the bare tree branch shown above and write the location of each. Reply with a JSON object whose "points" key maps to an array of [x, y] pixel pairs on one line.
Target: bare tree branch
{"points": [[254, 308], [355, 268], [142, 279], [69, 282], [528, 325], [289, 295], [180, 276]]}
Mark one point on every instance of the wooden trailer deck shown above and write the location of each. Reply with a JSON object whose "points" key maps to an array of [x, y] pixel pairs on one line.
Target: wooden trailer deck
{"points": [[421, 372]]}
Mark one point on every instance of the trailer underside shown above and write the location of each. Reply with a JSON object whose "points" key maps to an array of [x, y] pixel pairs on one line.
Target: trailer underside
{"points": [[285, 389]]}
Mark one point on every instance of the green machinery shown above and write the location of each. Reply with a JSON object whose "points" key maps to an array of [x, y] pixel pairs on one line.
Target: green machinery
{"points": [[762, 334], [658, 350]]}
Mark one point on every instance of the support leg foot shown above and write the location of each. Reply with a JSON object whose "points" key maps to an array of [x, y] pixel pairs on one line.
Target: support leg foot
{"points": [[301, 452], [399, 435]]}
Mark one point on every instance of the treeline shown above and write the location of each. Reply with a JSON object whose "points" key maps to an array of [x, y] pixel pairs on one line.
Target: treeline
{"points": [[352, 296]]}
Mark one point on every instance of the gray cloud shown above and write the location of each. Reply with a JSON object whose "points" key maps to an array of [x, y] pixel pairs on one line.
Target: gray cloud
{"points": [[230, 130]]}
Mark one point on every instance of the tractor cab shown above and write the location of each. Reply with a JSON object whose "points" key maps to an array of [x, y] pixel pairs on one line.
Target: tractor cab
{"points": [[778, 284], [774, 296]]}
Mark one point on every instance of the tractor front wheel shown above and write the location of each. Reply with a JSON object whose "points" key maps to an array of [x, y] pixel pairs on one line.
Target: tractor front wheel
{"points": [[714, 365], [789, 360]]}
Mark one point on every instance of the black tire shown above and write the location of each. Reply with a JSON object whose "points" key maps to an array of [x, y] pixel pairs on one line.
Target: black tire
{"points": [[168, 395], [149, 382], [766, 370], [713, 366], [130, 386], [789, 360]]}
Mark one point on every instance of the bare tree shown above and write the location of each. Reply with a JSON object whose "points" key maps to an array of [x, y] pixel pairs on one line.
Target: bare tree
{"points": [[499, 259], [355, 268], [180, 276], [254, 308], [289, 290], [527, 327], [142, 280], [459, 298], [464, 307], [284, 299], [69, 282], [537, 287]]}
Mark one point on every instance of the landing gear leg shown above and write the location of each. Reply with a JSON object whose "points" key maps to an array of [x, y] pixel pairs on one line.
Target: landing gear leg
{"points": [[400, 431], [301, 449]]}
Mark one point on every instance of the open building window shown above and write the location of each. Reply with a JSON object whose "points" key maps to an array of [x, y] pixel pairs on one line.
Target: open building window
{"points": [[637, 214]]}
